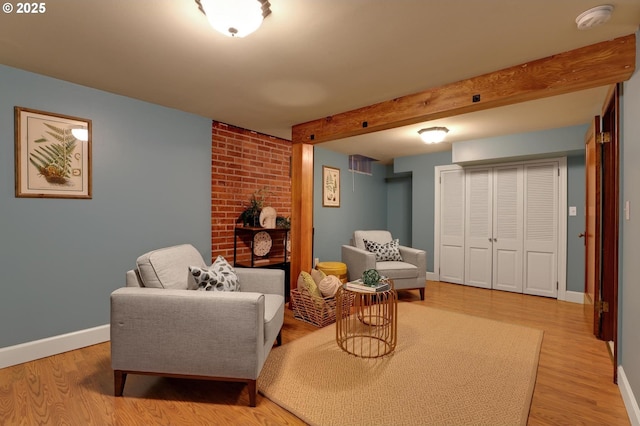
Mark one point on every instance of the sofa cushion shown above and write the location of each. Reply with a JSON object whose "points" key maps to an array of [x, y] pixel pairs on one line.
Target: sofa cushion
{"points": [[168, 267], [397, 270], [218, 277], [379, 236], [384, 251]]}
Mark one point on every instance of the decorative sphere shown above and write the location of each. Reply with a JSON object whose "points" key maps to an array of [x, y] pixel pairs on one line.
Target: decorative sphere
{"points": [[371, 277]]}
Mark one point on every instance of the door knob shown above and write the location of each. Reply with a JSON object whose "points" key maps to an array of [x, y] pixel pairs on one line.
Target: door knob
{"points": [[581, 235]]}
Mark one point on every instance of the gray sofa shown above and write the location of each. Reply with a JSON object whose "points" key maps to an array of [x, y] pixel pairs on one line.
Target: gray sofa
{"points": [[159, 327], [409, 274]]}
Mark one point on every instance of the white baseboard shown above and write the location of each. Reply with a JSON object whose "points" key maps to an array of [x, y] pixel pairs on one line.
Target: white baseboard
{"points": [[432, 276], [574, 297], [24, 352], [629, 399]]}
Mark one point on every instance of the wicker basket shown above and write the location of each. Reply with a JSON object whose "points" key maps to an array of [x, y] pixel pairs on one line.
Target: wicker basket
{"points": [[315, 310]]}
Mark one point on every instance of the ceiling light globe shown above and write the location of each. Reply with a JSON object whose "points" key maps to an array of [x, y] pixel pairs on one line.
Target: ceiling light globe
{"points": [[593, 17], [233, 18], [433, 134]]}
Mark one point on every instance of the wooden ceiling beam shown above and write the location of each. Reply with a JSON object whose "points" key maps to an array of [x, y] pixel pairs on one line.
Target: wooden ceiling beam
{"points": [[584, 68]]}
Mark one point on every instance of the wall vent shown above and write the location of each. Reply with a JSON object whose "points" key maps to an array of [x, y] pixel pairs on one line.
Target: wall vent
{"points": [[360, 164]]}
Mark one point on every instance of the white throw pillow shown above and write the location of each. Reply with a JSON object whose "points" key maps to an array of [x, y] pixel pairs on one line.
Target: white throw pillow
{"points": [[329, 285], [317, 275]]}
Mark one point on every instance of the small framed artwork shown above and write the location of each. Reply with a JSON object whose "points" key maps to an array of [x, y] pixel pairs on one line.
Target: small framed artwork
{"points": [[330, 187], [52, 155]]}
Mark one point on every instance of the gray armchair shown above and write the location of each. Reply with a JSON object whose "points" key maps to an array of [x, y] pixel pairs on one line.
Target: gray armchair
{"points": [[408, 274], [158, 327]]}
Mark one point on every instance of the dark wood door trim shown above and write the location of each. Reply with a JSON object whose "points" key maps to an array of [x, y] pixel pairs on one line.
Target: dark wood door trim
{"points": [[610, 223], [592, 241]]}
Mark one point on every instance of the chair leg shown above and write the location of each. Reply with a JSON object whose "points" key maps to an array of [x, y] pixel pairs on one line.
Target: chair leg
{"points": [[422, 294], [279, 338], [253, 392], [119, 378]]}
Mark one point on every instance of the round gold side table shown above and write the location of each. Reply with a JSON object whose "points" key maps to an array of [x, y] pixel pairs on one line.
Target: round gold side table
{"points": [[370, 329]]}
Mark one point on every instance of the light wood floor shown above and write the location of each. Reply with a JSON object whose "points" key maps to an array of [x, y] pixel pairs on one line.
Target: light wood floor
{"points": [[573, 387]]}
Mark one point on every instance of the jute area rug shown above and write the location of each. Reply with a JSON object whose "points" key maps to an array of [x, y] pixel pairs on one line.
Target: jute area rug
{"points": [[447, 369]]}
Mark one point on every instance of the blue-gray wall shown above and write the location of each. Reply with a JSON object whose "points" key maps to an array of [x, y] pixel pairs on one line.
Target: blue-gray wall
{"points": [[422, 167], [575, 224], [570, 139], [410, 192], [363, 204], [60, 259], [400, 205], [629, 287], [524, 146]]}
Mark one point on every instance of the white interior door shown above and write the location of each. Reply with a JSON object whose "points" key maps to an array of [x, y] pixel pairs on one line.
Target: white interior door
{"points": [[541, 229], [478, 228], [452, 226], [507, 228], [519, 206]]}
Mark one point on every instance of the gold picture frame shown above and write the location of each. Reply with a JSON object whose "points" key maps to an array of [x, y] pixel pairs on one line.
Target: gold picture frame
{"points": [[52, 155], [330, 187]]}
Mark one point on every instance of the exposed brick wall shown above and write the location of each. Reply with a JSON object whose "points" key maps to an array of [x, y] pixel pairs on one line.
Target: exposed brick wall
{"points": [[243, 161]]}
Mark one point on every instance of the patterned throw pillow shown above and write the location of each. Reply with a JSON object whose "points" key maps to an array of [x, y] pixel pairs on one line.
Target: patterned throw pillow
{"points": [[218, 277], [384, 252], [305, 281]]}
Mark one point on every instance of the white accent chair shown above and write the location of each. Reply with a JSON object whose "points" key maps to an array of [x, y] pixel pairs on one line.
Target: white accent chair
{"points": [[409, 274], [159, 327]]}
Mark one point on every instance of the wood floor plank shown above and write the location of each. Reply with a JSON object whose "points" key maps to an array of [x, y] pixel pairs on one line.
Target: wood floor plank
{"points": [[573, 387]]}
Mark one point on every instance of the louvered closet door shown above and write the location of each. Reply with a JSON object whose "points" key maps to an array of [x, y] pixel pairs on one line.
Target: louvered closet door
{"points": [[541, 229], [478, 228], [452, 226], [507, 228]]}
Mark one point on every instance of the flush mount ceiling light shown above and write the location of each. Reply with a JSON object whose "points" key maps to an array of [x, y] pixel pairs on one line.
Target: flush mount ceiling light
{"points": [[593, 17], [235, 18], [433, 134]]}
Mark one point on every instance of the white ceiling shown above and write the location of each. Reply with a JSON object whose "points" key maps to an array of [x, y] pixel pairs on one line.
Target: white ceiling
{"points": [[313, 58]]}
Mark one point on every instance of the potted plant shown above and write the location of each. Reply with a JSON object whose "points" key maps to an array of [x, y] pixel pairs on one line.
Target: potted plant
{"points": [[251, 214], [283, 222]]}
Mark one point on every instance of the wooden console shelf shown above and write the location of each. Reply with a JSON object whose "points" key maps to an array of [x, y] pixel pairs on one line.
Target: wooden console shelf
{"points": [[276, 256]]}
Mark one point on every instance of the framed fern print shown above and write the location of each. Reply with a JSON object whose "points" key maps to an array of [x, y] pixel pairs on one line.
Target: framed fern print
{"points": [[330, 187], [52, 154]]}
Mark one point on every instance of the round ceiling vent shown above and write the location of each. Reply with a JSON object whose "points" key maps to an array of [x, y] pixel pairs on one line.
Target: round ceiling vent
{"points": [[593, 17]]}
